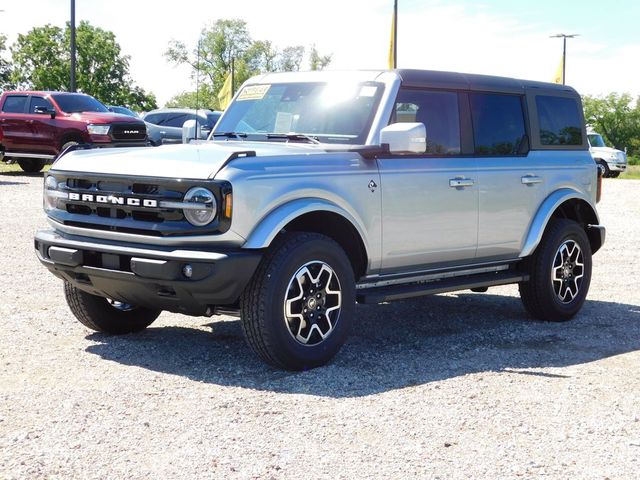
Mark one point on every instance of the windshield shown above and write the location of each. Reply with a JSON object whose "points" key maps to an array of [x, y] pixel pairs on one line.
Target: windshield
{"points": [[74, 103], [595, 140], [336, 112]]}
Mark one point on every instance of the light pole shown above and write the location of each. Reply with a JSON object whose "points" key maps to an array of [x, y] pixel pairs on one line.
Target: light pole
{"points": [[72, 87], [564, 50]]}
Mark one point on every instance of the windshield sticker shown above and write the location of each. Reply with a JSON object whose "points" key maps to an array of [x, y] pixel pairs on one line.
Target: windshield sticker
{"points": [[283, 122], [253, 92], [368, 91]]}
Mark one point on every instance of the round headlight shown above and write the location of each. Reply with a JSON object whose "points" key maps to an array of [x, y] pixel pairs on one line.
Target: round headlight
{"points": [[203, 209], [50, 183]]}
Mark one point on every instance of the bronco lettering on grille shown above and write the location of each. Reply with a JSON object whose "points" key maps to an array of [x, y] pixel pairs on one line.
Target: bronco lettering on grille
{"points": [[114, 200]]}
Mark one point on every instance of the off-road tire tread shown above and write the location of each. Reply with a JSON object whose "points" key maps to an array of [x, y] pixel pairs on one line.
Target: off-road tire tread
{"points": [[532, 292], [252, 303], [89, 310]]}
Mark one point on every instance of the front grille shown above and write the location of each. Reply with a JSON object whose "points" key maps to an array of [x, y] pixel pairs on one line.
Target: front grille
{"points": [[102, 202], [129, 131]]}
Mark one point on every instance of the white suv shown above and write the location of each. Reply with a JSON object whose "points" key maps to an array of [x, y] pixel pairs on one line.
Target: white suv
{"points": [[610, 161]]}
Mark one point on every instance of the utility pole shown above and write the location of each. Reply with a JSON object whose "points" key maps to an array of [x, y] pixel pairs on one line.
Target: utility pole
{"points": [[73, 46], [564, 51]]}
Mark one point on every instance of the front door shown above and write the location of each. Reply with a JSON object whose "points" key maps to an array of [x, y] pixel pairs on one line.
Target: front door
{"points": [[43, 127], [429, 202]]}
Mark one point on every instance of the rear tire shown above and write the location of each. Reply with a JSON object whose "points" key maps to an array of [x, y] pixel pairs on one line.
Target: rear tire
{"points": [[297, 310], [559, 273], [103, 315], [31, 165]]}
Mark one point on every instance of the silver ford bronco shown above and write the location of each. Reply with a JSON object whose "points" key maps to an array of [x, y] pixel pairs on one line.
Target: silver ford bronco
{"points": [[320, 190]]}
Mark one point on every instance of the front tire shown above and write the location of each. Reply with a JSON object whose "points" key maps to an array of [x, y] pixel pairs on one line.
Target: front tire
{"points": [[297, 310], [559, 273], [604, 168], [614, 174], [107, 316], [31, 165]]}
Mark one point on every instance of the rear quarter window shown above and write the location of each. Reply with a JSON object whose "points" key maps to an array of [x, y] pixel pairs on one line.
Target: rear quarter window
{"points": [[559, 120]]}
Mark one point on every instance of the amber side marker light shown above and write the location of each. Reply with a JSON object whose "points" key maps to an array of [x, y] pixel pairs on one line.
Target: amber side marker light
{"points": [[228, 205], [599, 186]]}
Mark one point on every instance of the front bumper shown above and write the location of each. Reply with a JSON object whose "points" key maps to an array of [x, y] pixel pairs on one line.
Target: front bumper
{"points": [[617, 167], [149, 276]]}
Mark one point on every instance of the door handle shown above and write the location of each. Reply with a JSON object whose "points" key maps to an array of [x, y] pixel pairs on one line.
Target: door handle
{"points": [[460, 182], [530, 180]]}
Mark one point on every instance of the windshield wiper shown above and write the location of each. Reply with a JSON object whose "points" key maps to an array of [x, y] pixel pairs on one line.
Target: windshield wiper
{"points": [[294, 137], [230, 134]]}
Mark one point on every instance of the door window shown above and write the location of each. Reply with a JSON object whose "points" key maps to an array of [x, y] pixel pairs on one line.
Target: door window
{"points": [[439, 113], [177, 119], [498, 124], [39, 102], [14, 104]]}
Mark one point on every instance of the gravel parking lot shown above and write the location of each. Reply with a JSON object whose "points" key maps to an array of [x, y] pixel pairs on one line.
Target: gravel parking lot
{"points": [[451, 386]]}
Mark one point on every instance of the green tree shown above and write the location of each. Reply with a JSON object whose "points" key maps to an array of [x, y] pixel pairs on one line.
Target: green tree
{"points": [[204, 99], [222, 43], [41, 61], [317, 61], [616, 117]]}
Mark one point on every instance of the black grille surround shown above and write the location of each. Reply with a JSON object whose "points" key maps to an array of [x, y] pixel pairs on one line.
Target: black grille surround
{"points": [[128, 132], [155, 221]]}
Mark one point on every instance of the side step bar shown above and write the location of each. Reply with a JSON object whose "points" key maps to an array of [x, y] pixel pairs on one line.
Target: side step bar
{"points": [[40, 156], [411, 290]]}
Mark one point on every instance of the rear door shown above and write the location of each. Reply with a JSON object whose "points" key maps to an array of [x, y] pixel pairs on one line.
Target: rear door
{"points": [[511, 183], [15, 127], [430, 201]]}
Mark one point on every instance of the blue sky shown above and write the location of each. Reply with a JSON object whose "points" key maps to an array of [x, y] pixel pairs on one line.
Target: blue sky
{"points": [[493, 37]]}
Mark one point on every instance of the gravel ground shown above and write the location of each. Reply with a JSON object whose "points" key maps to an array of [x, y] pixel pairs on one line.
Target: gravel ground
{"points": [[451, 386]]}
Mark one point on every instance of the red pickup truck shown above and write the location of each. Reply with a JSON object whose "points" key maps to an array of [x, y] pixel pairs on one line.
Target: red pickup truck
{"points": [[36, 126]]}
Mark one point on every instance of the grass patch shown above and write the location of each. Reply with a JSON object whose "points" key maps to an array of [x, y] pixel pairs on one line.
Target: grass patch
{"points": [[633, 172], [15, 168]]}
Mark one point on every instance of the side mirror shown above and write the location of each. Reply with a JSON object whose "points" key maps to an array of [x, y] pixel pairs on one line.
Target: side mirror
{"points": [[405, 137], [42, 110], [189, 131]]}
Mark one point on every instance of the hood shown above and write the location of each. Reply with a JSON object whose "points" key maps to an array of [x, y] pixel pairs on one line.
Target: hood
{"points": [[605, 150], [104, 117], [192, 161]]}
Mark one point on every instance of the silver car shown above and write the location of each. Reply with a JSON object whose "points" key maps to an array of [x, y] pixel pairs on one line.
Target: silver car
{"points": [[164, 126], [320, 190]]}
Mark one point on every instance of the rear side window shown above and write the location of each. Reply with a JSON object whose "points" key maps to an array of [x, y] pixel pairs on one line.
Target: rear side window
{"points": [[498, 124], [439, 113], [559, 120], [14, 104]]}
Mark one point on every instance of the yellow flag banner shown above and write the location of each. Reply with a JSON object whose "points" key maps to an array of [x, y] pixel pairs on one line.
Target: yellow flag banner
{"points": [[391, 43], [225, 94], [557, 78]]}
